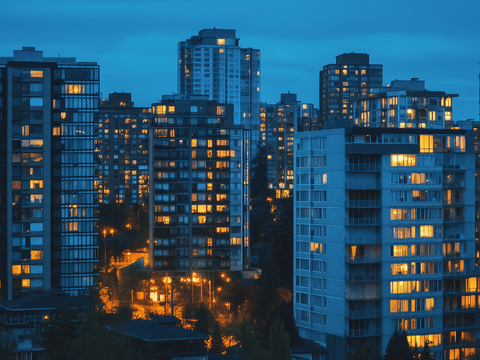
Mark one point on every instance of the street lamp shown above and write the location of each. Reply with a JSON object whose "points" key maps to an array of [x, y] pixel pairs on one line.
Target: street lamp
{"points": [[167, 280]]}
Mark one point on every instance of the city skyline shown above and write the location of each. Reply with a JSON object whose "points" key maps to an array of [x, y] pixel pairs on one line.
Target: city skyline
{"points": [[295, 43]]}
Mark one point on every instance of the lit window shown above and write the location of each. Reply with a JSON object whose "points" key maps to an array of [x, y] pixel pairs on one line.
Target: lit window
{"points": [[36, 255], [426, 143], [403, 160], [161, 109], [36, 73], [25, 282], [220, 41], [74, 89], [16, 269], [426, 231]]}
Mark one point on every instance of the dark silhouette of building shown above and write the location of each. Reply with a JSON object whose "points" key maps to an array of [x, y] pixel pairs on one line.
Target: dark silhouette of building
{"points": [[123, 155], [48, 131], [351, 77]]}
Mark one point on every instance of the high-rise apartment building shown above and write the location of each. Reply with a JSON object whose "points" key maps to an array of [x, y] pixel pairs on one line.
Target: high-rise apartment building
{"points": [[351, 77], [385, 239], [405, 104], [49, 124], [213, 63], [123, 155], [279, 122], [199, 186]]}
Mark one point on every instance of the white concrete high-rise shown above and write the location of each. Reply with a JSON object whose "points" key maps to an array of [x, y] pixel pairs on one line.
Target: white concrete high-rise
{"points": [[384, 232], [213, 63]]}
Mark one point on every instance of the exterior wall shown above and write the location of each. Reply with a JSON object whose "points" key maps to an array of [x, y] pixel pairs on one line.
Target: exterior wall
{"points": [[399, 243], [351, 77], [199, 186], [212, 63], [408, 105], [50, 173], [279, 123], [123, 144]]}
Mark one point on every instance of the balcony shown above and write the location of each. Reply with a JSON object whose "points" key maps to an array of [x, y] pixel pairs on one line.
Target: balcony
{"points": [[363, 240], [362, 277], [363, 222], [365, 167], [363, 185], [362, 291], [363, 314], [363, 259], [363, 203], [363, 332]]}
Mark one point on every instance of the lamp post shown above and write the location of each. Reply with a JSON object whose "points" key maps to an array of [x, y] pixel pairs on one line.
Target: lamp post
{"points": [[167, 280]]}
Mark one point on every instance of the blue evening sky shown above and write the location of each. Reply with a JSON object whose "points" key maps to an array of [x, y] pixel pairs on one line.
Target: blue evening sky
{"points": [[135, 41]]}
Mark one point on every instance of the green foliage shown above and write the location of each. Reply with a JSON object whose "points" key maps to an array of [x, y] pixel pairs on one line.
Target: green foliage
{"points": [[207, 324], [60, 333], [278, 342], [216, 345], [247, 334], [364, 353], [261, 218], [398, 348], [426, 353], [7, 345], [68, 337], [100, 343], [204, 319]]}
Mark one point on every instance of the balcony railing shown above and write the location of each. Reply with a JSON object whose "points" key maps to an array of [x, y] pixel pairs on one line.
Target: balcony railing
{"points": [[363, 314], [362, 259], [363, 185], [363, 240], [363, 332], [363, 203], [363, 167], [362, 277], [363, 221]]}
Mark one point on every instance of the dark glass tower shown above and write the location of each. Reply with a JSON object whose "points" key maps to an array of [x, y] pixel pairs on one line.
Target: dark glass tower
{"points": [[49, 123], [351, 77], [199, 186], [123, 143]]}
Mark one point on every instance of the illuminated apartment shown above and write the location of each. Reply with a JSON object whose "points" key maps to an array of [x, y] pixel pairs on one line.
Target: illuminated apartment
{"points": [[213, 63], [405, 104], [199, 186], [123, 155], [385, 239], [341, 84], [49, 112], [278, 125]]}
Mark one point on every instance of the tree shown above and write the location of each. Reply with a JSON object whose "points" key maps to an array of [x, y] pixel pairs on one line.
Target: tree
{"points": [[7, 345], [207, 324], [278, 342], [60, 333], [426, 353], [260, 215], [398, 348], [247, 334], [216, 342], [100, 343]]}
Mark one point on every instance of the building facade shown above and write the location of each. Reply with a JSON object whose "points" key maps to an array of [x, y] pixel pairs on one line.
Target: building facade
{"points": [[385, 239], [405, 104], [213, 63], [49, 123], [123, 155], [199, 186], [279, 122], [351, 77]]}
